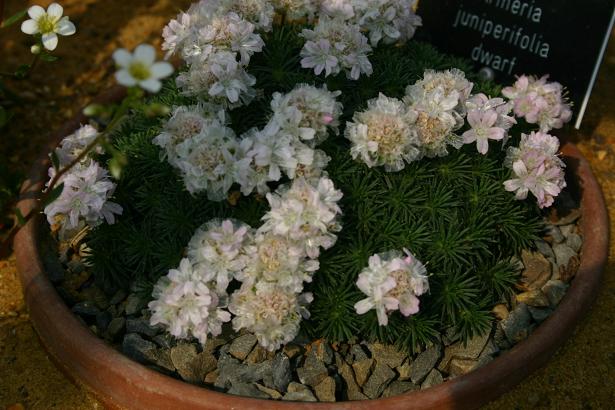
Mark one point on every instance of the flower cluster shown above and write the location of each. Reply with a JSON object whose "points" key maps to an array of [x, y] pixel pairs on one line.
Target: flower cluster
{"points": [[392, 281], [383, 134], [211, 158], [389, 21], [217, 40], [488, 119], [271, 263], [185, 304], [87, 187], [337, 41], [202, 148], [335, 45], [391, 131], [438, 102], [539, 102], [537, 168]]}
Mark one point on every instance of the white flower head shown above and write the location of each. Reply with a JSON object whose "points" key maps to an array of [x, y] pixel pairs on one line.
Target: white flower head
{"points": [[335, 45], [206, 160], [270, 312], [218, 249], [220, 79], [392, 281], [389, 21], [382, 135], [74, 144], [297, 9], [48, 24], [84, 198], [140, 68], [306, 213], [185, 304], [307, 112], [186, 122], [437, 102]]}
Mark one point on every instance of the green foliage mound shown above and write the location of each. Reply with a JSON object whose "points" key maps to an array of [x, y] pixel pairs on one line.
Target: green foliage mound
{"points": [[452, 213]]}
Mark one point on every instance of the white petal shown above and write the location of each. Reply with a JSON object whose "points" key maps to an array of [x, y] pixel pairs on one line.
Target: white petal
{"points": [[35, 12], [65, 28], [50, 41], [161, 69], [123, 77], [55, 11], [122, 57], [152, 85], [29, 27], [145, 53]]}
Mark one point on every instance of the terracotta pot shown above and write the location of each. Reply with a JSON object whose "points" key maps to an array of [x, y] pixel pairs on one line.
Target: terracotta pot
{"points": [[122, 383]]}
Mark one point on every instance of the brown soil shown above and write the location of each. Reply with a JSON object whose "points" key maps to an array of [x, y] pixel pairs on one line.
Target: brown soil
{"points": [[581, 374]]}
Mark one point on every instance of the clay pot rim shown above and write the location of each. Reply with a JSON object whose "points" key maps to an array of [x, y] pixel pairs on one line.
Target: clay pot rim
{"points": [[122, 383]]}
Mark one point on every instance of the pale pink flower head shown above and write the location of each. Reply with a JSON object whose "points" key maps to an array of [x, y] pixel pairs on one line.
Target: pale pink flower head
{"points": [[392, 281], [483, 128], [537, 168], [539, 102]]}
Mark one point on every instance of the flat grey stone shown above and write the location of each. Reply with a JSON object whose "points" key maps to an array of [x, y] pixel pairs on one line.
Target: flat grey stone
{"points": [[555, 291], [102, 320], [116, 327], [570, 217], [362, 370], [242, 346], [272, 393], [137, 348], [184, 357], [281, 372], [575, 242], [563, 254], [517, 325], [161, 358], [313, 370], [299, 392], [387, 354], [544, 248], [459, 367], [459, 350], [118, 297], [134, 304], [164, 340], [424, 362], [537, 269], [567, 230], [533, 298], [86, 309], [539, 314], [247, 390], [378, 381], [325, 390], [398, 387], [142, 327], [554, 232], [356, 353], [433, 379], [353, 391]]}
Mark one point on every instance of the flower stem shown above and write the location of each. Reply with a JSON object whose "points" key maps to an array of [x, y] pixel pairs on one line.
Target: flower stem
{"points": [[5, 246]]}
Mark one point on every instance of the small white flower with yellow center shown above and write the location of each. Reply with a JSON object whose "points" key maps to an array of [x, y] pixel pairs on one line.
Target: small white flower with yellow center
{"points": [[141, 68], [48, 24]]}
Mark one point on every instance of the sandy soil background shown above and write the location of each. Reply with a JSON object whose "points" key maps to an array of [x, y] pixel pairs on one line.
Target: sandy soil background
{"points": [[580, 376]]}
